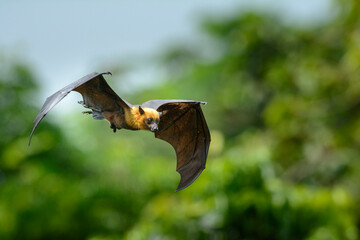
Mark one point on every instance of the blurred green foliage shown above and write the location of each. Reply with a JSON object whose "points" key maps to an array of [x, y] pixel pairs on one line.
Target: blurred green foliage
{"points": [[284, 112]]}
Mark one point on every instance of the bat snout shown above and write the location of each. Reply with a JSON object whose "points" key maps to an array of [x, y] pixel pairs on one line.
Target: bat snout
{"points": [[154, 128]]}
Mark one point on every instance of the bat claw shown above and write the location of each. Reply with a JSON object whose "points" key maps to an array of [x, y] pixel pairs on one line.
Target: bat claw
{"points": [[108, 73], [87, 112], [83, 104]]}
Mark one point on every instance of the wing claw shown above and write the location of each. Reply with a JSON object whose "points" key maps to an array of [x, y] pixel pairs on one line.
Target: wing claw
{"points": [[106, 73]]}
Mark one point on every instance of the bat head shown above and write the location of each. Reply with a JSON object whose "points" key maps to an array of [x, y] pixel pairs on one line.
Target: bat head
{"points": [[149, 118]]}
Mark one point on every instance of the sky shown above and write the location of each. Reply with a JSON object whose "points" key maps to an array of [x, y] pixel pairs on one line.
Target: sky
{"points": [[65, 40]]}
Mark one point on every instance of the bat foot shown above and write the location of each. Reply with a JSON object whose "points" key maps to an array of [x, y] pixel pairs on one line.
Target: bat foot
{"points": [[87, 112], [83, 104]]}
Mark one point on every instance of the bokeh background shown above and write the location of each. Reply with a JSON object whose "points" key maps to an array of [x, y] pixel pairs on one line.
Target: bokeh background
{"points": [[282, 82]]}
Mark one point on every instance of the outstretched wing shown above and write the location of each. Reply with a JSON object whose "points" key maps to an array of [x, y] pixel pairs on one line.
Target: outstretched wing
{"points": [[182, 124], [95, 91]]}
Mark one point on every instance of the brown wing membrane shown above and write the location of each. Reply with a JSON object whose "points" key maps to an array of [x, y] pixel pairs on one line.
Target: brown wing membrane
{"points": [[96, 93], [183, 125], [99, 96]]}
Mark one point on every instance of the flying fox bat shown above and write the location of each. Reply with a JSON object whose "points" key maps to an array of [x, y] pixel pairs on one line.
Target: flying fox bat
{"points": [[178, 122]]}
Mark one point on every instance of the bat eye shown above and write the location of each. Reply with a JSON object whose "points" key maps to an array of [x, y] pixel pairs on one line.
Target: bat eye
{"points": [[150, 120]]}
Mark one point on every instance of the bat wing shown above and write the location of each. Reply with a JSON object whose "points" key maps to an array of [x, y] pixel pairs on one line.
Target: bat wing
{"points": [[95, 91], [182, 124]]}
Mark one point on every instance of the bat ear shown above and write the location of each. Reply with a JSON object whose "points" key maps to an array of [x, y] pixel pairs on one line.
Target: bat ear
{"points": [[141, 110]]}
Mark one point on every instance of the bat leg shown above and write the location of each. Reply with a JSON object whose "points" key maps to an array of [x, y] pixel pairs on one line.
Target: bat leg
{"points": [[95, 114]]}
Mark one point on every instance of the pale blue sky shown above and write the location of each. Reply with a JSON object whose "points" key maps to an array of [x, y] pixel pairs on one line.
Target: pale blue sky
{"points": [[64, 40]]}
